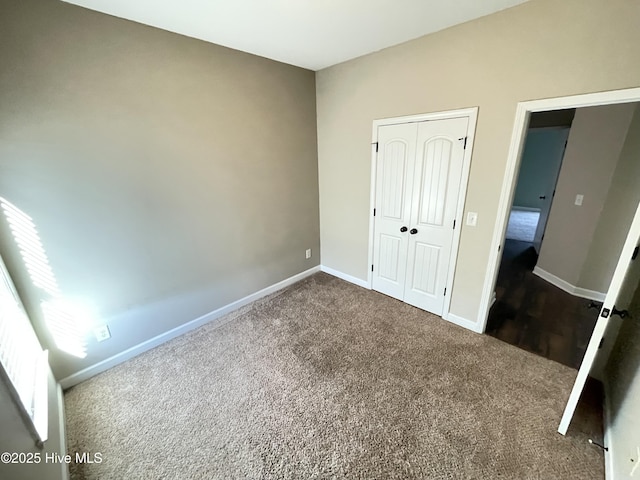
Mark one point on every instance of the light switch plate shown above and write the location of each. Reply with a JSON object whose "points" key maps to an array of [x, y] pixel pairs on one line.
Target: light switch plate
{"points": [[579, 199], [472, 219]]}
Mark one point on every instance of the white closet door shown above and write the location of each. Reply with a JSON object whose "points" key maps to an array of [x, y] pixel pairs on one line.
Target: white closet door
{"points": [[436, 182], [396, 159]]}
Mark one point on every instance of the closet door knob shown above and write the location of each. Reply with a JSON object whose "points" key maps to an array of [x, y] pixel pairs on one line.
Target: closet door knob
{"points": [[413, 231], [403, 229]]}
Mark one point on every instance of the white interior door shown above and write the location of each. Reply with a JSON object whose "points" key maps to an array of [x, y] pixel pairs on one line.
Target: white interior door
{"points": [[436, 184], [396, 159], [418, 176], [613, 295]]}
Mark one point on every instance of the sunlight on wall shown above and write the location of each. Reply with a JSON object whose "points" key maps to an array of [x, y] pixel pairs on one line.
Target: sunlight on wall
{"points": [[35, 259], [67, 321], [68, 324]]}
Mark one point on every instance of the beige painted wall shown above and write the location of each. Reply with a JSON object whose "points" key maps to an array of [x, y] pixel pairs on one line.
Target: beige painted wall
{"points": [[540, 49], [593, 149], [617, 214], [168, 177]]}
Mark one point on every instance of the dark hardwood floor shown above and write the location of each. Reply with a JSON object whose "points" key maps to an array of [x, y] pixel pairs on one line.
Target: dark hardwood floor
{"points": [[532, 314]]}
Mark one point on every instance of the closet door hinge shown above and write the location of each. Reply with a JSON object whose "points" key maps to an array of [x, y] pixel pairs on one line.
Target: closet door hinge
{"points": [[464, 147], [445, 291], [454, 223], [372, 268], [376, 144], [374, 212]]}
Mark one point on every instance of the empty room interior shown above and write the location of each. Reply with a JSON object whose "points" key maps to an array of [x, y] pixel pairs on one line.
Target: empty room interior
{"points": [[287, 240]]}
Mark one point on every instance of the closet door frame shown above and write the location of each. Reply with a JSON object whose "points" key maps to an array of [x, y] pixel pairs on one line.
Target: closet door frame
{"points": [[472, 115]]}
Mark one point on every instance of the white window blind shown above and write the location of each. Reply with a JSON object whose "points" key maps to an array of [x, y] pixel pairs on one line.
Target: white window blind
{"points": [[24, 365]]}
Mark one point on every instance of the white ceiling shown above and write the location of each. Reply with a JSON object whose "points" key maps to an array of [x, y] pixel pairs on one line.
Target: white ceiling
{"points": [[306, 33]]}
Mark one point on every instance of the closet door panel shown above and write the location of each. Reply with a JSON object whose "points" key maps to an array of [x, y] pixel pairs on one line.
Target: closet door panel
{"points": [[436, 185], [395, 165]]}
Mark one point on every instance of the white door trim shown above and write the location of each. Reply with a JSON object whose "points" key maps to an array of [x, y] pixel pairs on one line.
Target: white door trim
{"points": [[523, 112], [472, 115]]}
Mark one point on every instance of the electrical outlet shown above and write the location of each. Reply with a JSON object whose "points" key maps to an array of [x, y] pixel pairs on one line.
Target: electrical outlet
{"points": [[472, 219], [307, 254], [579, 199], [102, 333]]}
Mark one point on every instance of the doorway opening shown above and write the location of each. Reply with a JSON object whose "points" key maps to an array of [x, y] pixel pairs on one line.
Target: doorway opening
{"points": [[556, 261], [544, 148], [621, 237]]}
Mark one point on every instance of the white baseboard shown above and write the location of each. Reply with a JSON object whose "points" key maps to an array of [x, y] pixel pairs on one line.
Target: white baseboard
{"points": [[345, 277], [463, 322], [136, 350], [567, 287], [552, 279], [590, 294]]}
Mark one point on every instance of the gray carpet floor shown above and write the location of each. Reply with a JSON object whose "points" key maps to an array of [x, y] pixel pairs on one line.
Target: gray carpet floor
{"points": [[328, 380]]}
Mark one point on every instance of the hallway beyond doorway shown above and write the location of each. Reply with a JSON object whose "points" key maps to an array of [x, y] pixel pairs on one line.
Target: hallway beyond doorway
{"points": [[536, 316], [522, 225]]}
